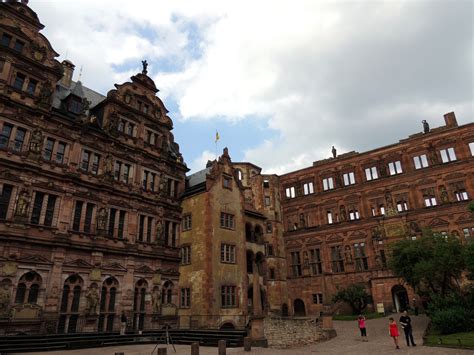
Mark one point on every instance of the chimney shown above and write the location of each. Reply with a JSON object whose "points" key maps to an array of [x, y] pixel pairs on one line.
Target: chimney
{"points": [[68, 71], [450, 119]]}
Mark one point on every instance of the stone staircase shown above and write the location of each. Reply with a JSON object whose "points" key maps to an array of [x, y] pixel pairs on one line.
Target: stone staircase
{"points": [[31, 343]]}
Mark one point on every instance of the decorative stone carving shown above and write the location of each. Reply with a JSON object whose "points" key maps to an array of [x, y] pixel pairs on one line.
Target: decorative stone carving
{"points": [[443, 194], [342, 213], [160, 238], [23, 204], [9, 269], [36, 141], [334, 152], [95, 275], [4, 299], [348, 254], [102, 219], [92, 298], [45, 94], [145, 66], [426, 126], [432, 156], [156, 299]]}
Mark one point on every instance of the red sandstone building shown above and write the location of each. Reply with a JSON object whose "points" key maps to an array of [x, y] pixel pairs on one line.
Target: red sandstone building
{"points": [[89, 193], [341, 213]]}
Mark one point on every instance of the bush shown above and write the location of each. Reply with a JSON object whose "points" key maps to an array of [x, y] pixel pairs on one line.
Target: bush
{"points": [[451, 320]]}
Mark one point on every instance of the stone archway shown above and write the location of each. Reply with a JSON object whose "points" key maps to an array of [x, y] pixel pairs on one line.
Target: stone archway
{"points": [[400, 298], [299, 308]]}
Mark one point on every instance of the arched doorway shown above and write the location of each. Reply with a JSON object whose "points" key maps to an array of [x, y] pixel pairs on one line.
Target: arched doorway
{"points": [[227, 326], [299, 308], [69, 309], [400, 298], [139, 304], [284, 310]]}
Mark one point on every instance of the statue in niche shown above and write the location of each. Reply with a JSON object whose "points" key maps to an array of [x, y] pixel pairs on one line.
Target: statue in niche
{"points": [[348, 254], [383, 169], [376, 233], [4, 299], [302, 221], [101, 219], [109, 164], [334, 152], [36, 141], [145, 66], [414, 228], [426, 126], [391, 210], [432, 156], [45, 94], [23, 204], [443, 193], [92, 298], [86, 104], [160, 233], [342, 213], [113, 122], [156, 300]]}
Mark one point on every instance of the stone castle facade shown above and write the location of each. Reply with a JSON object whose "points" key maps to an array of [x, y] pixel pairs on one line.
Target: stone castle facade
{"points": [[97, 216]]}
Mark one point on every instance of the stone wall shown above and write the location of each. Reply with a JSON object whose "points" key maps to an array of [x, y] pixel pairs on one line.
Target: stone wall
{"points": [[289, 332]]}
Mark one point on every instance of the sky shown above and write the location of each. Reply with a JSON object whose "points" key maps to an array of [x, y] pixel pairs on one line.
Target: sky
{"points": [[281, 81]]}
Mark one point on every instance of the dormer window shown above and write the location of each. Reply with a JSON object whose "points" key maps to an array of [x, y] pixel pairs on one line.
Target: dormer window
{"points": [[75, 105]]}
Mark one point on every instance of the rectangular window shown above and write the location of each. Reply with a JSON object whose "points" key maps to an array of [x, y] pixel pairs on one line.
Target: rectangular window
{"points": [[19, 139], [349, 179], [395, 167], [296, 264], [267, 201], [152, 182], [354, 215], [112, 214], [186, 255], [328, 184], [448, 155], [60, 152], [402, 206], [141, 230], [227, 220], [308, 188], [88, 219], [360, 257], [121, 224], [6, 39], [95, 164], [226, 182], [382, 210], [266, 183], [329, 215], [187, 222], [130, 128], [149, 228], [18, 46], [48, 149], [290, 192], [5, 135], [461, 195], [31, 87], [77, 216], [37, 206], [19, 81], [315, 262], [185, 298], [118, 168], [6, 192], [228, 253], [337, 259], [371, 173], [228, 296], [126, 173], [430, 201], [48, 217], [268, 249], [420, 161], [471, 147], [317, 298], [86, 155]]}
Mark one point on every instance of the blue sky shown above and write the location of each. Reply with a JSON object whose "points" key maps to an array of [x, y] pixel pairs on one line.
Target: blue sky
{"points": [[281, 81]]}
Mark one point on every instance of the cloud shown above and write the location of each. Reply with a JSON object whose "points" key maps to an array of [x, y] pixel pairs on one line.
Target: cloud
{"points": [[200, 162], [354, 74]]}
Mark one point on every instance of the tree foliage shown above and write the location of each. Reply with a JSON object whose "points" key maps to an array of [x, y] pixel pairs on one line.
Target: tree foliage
{"points": [[355, 295], [432, 264]]}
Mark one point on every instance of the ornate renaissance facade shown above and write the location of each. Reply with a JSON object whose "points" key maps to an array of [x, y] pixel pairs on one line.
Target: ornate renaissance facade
{"points": [[89, 193]]}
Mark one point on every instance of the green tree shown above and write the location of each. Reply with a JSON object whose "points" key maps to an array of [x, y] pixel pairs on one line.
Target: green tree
{"points": [[355, 295], [432, 264], [469, 259]]}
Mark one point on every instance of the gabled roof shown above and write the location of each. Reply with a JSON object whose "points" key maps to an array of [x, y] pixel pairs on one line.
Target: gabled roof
{"points": [[76, 89]]}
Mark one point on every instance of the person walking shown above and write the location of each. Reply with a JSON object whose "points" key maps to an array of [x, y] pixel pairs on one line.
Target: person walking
{"points": [[405, 322], [123, 323], [393, 331], [363, 330]]}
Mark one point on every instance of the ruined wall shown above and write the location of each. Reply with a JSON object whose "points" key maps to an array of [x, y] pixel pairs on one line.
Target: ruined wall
{"points": [[285, 333]]}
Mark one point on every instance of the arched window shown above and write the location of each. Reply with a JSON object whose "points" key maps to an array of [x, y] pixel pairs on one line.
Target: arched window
{"points": [[258, 234], [250, 257], [139, 304], [167, 293], [248, 232], [28, 288], [239, 174], [107, 304], [70, 301]]}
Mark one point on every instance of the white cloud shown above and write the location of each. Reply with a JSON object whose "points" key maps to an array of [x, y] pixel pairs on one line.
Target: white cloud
{"points": [[200, 162]]}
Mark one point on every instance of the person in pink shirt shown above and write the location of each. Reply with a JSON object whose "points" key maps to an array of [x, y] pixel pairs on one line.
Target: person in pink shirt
{"points": [[363, 331]]}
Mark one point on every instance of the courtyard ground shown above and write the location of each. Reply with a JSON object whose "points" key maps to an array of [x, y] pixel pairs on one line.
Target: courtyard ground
{"points": [[347, 342]]}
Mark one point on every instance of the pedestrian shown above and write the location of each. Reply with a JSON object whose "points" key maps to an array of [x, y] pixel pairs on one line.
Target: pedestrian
{"points": [[393, 331], [123, 323], [363, 330], [415, 306], [405, 322]]}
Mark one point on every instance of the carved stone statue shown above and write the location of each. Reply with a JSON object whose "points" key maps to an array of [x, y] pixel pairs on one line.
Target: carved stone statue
{"points": [[109, 164], [86, 104], [36, 141], [383, 169], [156, 300], [45, 94], [426, 126], [342, 213], [391, 210], [145, 66], [160, 238], [113, 122], [348, 254], [414, 228], [377, 233], [92, 301], [23, 204], [432, 155], [334, 152], [4, 299], [101, 219], [163, 186], [443, 194]]}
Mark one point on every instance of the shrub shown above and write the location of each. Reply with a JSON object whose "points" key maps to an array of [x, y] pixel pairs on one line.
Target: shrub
{"points": [[452, 320]]}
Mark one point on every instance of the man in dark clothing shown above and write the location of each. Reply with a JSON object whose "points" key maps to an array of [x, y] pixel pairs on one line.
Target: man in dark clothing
{"points": [[123, 323], [405, 322]]}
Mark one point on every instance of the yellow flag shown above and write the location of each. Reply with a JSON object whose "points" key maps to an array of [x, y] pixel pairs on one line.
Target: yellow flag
{"points": [[217, 136]]}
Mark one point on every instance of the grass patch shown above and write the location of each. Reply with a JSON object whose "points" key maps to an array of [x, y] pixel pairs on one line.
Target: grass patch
{"points": [[464, 340], [371, 315]]}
